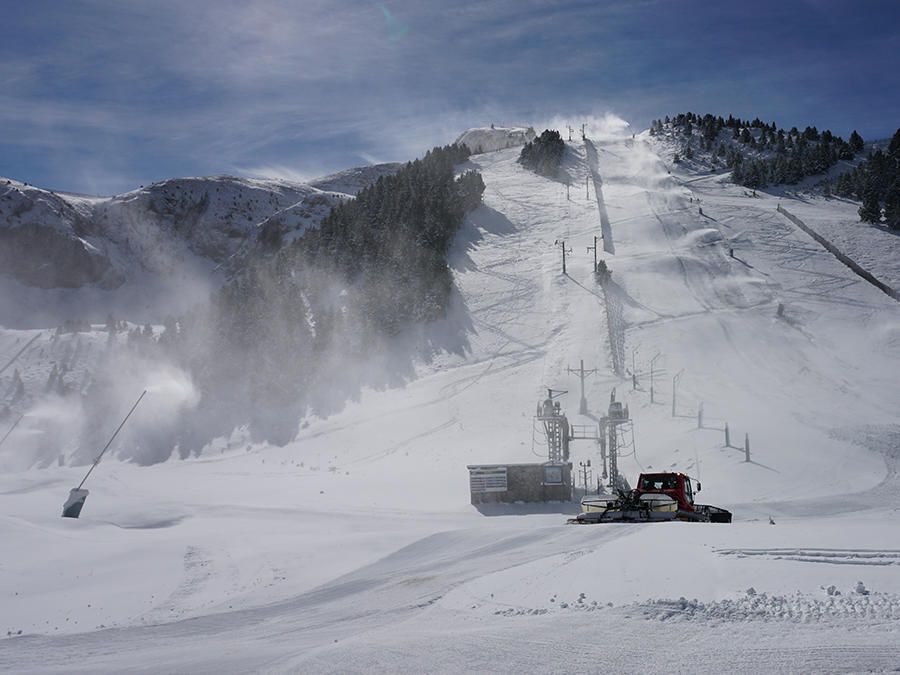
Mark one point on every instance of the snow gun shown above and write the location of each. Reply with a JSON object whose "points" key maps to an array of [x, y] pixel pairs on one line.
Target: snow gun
{"points": [[77, 496]]}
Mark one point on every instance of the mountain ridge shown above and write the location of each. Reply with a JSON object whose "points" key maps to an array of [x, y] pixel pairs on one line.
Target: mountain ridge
{"points": [[198, 227]]}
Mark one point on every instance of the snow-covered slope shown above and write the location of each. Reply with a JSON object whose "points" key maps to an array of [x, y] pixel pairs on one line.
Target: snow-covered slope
{"points": [[212, 216], [355, 548], [490, 139], [45, 240], [351, 181]]}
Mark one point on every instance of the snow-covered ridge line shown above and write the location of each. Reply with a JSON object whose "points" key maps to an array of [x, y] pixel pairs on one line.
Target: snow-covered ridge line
{"points": [[491, 139], [191, 228]]}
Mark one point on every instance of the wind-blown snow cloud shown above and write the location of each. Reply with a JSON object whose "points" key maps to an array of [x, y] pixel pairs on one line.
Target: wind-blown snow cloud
{"points": [[278, 171], [597, 126], [174, 88]]}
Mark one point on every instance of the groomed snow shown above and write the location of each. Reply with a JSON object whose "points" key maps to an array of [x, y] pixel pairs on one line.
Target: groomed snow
{"points": [[355, 549]]}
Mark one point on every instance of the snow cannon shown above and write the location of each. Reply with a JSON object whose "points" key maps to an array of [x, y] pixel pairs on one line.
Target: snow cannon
{"points": [[78, 496], [72, 507]]}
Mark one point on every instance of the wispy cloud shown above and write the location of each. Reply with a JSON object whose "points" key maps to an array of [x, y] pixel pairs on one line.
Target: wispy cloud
{"points": [[174, 87]]}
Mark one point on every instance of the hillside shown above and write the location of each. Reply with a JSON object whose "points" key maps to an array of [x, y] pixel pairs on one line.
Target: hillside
{"points": [[355, 546], [154, 251], [759, 154]]}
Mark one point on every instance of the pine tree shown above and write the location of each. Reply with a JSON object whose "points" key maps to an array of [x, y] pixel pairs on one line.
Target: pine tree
{"points": [[51, 379], [18, 387], [870, 211], [471, 189], [544, 154], [892, 206], [843, 187], [856, 142], [894, 146]]}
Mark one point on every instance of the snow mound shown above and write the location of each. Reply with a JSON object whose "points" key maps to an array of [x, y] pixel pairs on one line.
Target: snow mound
{"points": [[490, 139], [705, 237], [859, 604]]}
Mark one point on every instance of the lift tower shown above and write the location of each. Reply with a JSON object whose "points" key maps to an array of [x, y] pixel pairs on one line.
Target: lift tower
{"points": [[556, 426], [617, 416]]}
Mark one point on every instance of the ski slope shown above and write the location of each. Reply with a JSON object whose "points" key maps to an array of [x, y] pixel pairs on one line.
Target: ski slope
{"points": [[355, 549]]}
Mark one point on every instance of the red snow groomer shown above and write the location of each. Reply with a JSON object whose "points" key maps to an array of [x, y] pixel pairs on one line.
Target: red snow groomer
{"points": [[658, 497]]}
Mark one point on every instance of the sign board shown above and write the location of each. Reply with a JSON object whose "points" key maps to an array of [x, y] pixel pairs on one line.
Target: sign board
{"points": [[491, 479]]}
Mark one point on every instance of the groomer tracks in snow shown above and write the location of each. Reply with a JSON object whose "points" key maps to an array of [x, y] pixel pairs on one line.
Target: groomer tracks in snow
{"points": [[354, 548]]}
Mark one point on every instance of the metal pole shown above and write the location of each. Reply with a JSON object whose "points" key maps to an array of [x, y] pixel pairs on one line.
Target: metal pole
{"points": [[15, 424], [112, 438], [674, 381], [633, 371], [587, 189], [746, 447], [700, 416], [582, 374], [563, 244], [613, 456], [674, 385], [727, 436], [652, 364], [583, 403], [595, 253], [603, 457]]}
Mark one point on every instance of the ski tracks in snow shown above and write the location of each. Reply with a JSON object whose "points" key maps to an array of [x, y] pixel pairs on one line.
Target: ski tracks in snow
{"points": [[831, 556]]}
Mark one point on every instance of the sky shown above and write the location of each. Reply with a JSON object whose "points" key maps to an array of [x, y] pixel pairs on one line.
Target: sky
{"points": [[100, 96]]}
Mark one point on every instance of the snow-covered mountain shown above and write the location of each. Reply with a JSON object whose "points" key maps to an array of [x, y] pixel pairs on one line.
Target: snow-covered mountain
{"points": [[355, 547], [193, 230], [493, 138]]}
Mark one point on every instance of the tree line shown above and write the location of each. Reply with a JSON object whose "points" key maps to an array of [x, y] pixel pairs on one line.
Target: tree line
{"points": [[760, 153], [876, 183], [276, 338], [544, 154]]}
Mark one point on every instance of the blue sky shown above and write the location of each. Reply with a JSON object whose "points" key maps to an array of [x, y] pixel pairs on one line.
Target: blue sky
{"points": [[99, 96]]}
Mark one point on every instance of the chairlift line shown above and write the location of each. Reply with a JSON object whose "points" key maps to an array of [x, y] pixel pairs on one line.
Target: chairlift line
{"points": [[11, 429]]}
